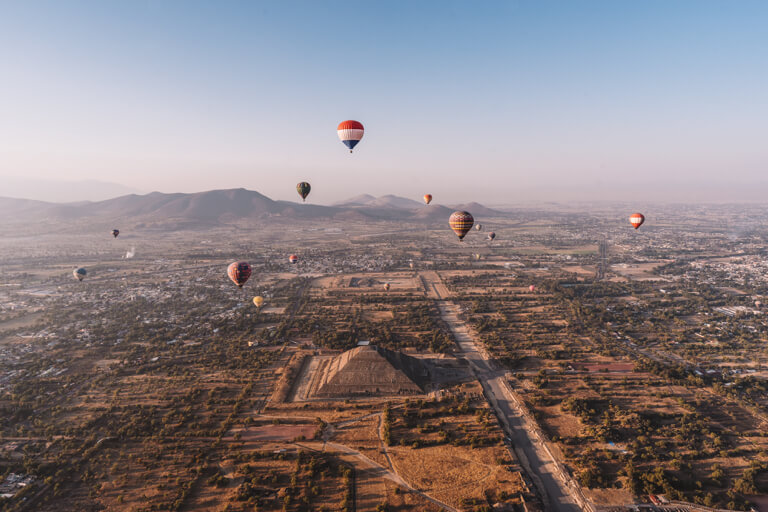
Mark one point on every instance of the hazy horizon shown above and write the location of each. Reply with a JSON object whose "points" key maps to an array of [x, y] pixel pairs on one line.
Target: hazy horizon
{"points": [[93, 190], [495, 102]]}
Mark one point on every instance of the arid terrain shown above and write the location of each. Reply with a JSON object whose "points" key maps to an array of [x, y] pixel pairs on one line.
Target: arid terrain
{"points": [[491, 375]]}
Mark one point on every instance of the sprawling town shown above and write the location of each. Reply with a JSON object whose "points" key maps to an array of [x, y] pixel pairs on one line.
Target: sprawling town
{"points": [[572, 363]]}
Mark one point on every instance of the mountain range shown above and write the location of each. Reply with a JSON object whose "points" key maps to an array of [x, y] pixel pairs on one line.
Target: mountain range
{"points": [[223, 207]]}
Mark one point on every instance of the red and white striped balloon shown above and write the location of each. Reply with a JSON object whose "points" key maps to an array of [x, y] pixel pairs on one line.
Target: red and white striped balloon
{"points": [[350, 133], [636, 219]]}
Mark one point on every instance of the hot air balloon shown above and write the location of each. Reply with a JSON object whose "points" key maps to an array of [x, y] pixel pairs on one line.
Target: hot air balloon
{"points": [[479, 227], [477, 256], [115, 232], [410, 264], [386, 287], [350, 133], [239, 272], [293, 259], [491, 236], [258, 301], [303, 189], [427, 198], [79, 273], [461, 222], [531, 288], [636, 219]]}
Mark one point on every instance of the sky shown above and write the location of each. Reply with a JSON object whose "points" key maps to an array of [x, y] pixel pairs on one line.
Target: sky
{"points": [[496, 102]]}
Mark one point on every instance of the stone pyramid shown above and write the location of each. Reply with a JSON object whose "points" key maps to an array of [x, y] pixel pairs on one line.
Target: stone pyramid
{"points": [[371, 370]]}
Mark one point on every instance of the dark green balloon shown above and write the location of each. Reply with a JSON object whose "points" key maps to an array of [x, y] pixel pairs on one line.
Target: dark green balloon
{"points": [[303, 189]]}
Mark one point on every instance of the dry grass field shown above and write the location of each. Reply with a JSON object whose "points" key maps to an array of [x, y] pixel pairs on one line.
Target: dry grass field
{"points": [[458, 476], [640, 271], [363, 435], [472, 469]]}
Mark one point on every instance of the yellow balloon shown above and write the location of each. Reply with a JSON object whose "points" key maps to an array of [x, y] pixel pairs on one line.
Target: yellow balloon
{"points": [[258, 301]]}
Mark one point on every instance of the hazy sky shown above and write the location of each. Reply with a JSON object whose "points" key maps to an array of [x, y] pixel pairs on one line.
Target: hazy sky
{"points": [[467, 100]]}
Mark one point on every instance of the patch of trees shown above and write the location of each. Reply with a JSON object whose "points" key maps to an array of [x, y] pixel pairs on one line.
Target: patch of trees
{"points": [[412, 423], [300, 489], [285, 384]]}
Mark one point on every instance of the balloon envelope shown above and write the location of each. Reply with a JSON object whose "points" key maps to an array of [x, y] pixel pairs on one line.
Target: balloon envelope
{"points": [[350, 133], [258, 301], [386, 286], [636, 219], [427, 198], [303, 189], [239, 272], [479, 227], [79, 273], [115, 232], [293, 259], [491, 236], [461, 222], [532, 288]]}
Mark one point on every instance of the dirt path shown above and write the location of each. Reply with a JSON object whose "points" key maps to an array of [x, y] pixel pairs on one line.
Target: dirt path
{"points": [[380, 433], [433, 285]]}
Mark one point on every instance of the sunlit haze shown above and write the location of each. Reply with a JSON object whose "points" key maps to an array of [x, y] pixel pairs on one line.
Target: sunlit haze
{"points": [[383, 256], [472, 101]]}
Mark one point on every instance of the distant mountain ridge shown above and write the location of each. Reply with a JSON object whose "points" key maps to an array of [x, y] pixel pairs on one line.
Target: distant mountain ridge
{"points": [[360, 200], [394, 201], [222, 207], [476, 209], [383, 201]]}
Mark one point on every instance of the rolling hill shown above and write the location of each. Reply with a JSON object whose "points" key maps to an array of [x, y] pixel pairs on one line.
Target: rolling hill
{"points": [[387, 201], [478, 210], [219, 207]]}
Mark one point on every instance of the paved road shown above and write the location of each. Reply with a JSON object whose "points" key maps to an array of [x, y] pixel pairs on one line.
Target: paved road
{"points": [[534, 456]]}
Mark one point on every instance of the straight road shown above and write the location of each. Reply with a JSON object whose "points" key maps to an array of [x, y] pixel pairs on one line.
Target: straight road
{"points": [[558, 491]]}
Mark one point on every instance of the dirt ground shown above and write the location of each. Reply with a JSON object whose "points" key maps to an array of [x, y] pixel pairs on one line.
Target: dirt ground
{"points": [[640, 271], [273, 310], [276, 432], [21, 322], [452, 473], [609, 497], [363, 436], [378, 316]]}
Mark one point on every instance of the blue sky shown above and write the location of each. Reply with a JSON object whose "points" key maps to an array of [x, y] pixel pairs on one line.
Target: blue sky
{"points": [[488, 101]]}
